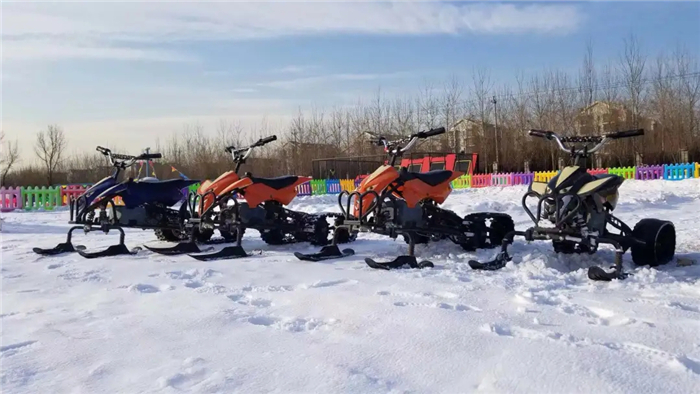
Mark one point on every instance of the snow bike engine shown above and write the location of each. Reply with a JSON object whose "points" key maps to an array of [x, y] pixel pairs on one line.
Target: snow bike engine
{"points": [[559, 208]]}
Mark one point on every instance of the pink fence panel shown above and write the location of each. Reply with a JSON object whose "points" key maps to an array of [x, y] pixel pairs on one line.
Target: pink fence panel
{"points": [[10, 199], [71, 191], [501, 179], [597, 171]]}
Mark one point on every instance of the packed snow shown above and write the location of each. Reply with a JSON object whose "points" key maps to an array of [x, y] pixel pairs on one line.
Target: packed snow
{"points": [[272, 323]]}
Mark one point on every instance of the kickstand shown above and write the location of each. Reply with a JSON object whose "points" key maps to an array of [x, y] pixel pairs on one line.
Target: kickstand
{"points": [[114, 250], [597, 273], [65, 247], [400, 261]]}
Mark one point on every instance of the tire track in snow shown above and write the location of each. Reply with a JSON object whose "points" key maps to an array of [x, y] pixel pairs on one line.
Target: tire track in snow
{"points": [[657, 357]]}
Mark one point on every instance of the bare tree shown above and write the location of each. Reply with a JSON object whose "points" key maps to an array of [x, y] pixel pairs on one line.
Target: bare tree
{"points": [[609, 83], [632, 64], [452, 93], [481, 107], [587, 77], [49, 148], [8, 158]]}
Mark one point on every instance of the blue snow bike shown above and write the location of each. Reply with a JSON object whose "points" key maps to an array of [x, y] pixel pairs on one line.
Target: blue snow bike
{"points": [[149, 204]]}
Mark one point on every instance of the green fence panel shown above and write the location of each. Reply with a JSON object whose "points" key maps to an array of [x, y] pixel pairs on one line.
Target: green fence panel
{"points": [[318, 186], [625, 172], [34, 198], [463, 182]]}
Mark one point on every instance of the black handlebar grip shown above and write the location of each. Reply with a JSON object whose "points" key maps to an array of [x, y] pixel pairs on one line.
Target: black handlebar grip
{"points": [[150, 156], [102, 150], [229, 149], [541, 133], [120, 156], [268, 139], [625, 134], [431, 132], [435, 131]]}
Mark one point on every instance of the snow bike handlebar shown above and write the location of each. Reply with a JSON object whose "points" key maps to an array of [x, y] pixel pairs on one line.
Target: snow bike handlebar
{"points": [[394, 147], [241, 154], [594, 139], [124, 161]]}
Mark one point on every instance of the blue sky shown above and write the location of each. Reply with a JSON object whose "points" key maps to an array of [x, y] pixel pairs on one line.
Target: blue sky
{"points": [[127, 73]]}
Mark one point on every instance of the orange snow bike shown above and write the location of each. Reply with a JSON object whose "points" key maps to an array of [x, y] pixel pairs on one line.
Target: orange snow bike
{"points": [[216, 205], [400, 202]]}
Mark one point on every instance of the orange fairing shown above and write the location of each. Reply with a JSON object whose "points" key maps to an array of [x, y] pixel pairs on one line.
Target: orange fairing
{"points": [[412, 191], [256, 193], [217, 186], [415, 191], [377, 181]]}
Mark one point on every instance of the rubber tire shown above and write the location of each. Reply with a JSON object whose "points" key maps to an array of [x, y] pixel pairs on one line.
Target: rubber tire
{"points": [[168, 235], [419, 239], [660, 239], [343, 234], [568, 247], [229, 235], [321, 233], [272, 237], [500, 226]]}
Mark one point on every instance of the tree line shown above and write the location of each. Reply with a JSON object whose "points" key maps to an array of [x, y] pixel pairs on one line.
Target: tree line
{"points": [[660, 94]]}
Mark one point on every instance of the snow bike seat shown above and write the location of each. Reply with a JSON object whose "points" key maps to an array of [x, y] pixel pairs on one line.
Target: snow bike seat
{"points": [[149, 179], [432, 178], [277, 183], [601, 176], [165, 184]]}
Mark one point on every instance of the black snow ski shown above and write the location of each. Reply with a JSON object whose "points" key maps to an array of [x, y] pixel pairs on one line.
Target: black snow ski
{"points": [[597, 273], [229, 252], [114, 250], [399, 262], [499, 262], [327, 252], [65, 247], [180, 248]]}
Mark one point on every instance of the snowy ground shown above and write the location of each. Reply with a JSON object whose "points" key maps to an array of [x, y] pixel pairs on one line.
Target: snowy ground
{"points": [[271, 323]]}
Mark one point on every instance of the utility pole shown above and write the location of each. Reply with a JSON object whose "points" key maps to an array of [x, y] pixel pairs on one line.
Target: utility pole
{"points": [[147, 151], [495, 129]]}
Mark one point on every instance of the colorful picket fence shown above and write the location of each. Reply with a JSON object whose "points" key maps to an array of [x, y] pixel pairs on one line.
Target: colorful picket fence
{"points": [[676, 172], [47, 198], [10, 199], [625, 172], [544, 176]]}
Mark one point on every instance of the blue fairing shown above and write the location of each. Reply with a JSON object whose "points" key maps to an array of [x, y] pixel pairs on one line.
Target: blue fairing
{"points": [[98, 188], [135, 193]]}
